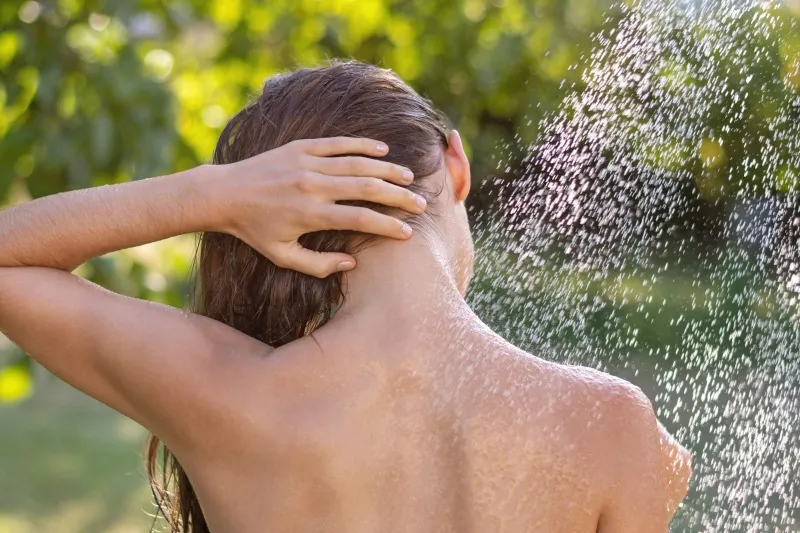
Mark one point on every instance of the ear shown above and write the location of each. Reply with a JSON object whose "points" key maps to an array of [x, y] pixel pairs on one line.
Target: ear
{"points": [[458, 166]]}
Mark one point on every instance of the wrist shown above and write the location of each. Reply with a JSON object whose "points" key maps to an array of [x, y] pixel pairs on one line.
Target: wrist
{"points": [[208, 198]]}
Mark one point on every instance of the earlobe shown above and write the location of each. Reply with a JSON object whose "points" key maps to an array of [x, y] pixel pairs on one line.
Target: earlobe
{"points": [[458, 165]]}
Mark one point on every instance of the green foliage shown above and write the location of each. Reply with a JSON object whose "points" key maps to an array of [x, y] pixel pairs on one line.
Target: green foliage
{"points": [[71, 465], [78, 106], [732, 93], [103, 91], [99, 91]]}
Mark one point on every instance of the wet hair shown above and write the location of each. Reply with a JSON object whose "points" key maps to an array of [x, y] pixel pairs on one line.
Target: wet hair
{"points": [[243, 289]]}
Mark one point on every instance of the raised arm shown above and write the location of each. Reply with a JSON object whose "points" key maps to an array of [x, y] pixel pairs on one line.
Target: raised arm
{"points": [[162, 366], [267, 201]]}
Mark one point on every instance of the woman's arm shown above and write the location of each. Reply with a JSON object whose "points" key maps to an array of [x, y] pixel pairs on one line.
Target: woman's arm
{"points": [[170, 370], [649, 470], [65, 230], [268, 201]]}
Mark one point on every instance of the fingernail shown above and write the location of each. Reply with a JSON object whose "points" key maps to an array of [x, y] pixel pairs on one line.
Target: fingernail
{"points": [[421, 203], [382, 147], [345, 265], [408, 175], [406, 229]]}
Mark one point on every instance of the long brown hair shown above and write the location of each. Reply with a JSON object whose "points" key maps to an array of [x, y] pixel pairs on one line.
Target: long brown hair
{"points": [[243, 289]]}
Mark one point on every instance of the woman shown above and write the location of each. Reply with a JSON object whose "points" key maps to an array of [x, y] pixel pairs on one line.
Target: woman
{"points": [[311, 394]]}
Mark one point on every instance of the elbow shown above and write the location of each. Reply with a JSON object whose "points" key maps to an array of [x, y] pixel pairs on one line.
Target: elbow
{"points": [[14, 280], [8, 279]]}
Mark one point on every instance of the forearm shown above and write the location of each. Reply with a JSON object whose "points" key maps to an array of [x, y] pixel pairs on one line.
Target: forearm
{"points": [[65, 230]]}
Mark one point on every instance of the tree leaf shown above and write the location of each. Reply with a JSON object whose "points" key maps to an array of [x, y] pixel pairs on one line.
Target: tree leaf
{"points": [[15, 144]]}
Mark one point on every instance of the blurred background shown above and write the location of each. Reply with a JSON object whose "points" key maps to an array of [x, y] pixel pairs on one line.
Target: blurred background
{"points": [[98, 92]]}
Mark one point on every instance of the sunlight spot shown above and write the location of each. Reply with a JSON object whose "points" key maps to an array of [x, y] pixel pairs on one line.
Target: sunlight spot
{"points": [[474, 10], [98, 21], [29, 12], [214, 116], [14, 524], [159, 62], [155, 281], [15, 384]]}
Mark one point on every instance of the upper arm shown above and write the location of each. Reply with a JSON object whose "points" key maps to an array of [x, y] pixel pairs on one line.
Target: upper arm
{"points": [[645, 487], [677, 468], [170, 370]]}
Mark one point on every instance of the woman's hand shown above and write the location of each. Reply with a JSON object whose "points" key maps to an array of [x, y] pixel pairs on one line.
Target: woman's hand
{"points": [[272, 199]]}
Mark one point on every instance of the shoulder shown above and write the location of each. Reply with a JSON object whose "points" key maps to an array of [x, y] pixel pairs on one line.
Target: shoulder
{"points": [[625, 407], [644, 469], [638, 440], [596, 413], [595, 407], [623, 426], [612, 405]]}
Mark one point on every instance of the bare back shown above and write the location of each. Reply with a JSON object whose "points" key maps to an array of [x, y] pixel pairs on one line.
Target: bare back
{"points": [[458, 433]]}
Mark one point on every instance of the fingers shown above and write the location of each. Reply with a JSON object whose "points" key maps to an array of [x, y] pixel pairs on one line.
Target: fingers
{"points": [[317, 264], [342, 145], [364, 220], [372, 190], [352, 165], [362, 167]]}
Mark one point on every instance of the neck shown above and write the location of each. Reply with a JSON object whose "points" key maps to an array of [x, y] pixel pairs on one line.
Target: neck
{"points": [[400, 279]]}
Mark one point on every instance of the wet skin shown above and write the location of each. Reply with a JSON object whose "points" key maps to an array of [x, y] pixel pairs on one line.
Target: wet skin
{"points": [[385, 422], [404, 413]]}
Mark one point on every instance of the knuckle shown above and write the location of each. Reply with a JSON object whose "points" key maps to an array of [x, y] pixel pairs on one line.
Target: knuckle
{"points": [[299, 145], [356, 164], [323, 219], [368, 187], [304, 160], [305, 182], [333, 165], [314, 220], [360, 220], [344, 163], [318, 272], [291, 180]]}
